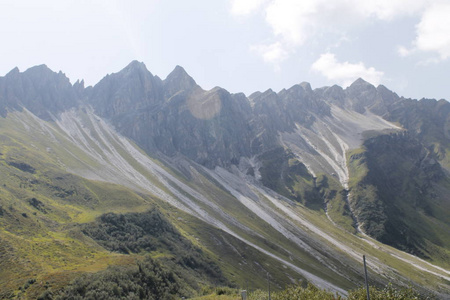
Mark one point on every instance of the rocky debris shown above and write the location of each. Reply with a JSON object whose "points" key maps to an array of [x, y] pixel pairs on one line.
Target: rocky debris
{"points": [[214, 128]]}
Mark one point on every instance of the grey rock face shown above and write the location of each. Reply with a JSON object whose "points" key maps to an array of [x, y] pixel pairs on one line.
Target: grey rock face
{"points": [[175, 115], [178, 80], [38, 89], [132, 89], [295, 142]]}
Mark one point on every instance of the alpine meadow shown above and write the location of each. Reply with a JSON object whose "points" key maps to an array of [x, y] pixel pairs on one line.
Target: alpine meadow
{"points": [[143, 188]]}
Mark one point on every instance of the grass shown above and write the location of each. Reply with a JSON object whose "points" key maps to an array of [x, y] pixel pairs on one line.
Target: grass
{"points": [[46, 246], [310, 292], [40, 243], [395, 207], [241, 263], [54, 250], [286, 175]]}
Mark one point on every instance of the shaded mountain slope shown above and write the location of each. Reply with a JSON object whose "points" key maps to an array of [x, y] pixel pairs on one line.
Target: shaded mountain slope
{"points": [[175, 115], [42, 205], [428, 120], [260, 184], [400, 192]]}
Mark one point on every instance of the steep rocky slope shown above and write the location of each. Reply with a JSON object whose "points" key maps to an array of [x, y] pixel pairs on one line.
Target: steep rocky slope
{"points": [[175, 115], [40, 90], [399, 194], [280, 182]]}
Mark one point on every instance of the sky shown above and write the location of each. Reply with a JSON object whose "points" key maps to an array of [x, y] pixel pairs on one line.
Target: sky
{"points": [[240, 45]]}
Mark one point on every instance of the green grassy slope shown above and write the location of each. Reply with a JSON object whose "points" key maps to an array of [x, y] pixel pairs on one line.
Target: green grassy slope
{"points": [[399, 194], [39, 204], [283, 173], [42, 205], [42, 242]]}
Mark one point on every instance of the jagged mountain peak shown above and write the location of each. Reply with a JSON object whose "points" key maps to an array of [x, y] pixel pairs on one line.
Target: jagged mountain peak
{"points": [[360, 82], [178, 71], [38, 74], [39, 68], [178, 80], [306, 86], [39, 89], [79, 85], [43, 71], [361, 95], [134, 71], [254, 95], [268, 92], [334, 89], [386, 94], [132, 88], [134, 67], [217, 149], [299, 90], [360, 86], [13, 72], [335, 94], [135, 64], [79, 82]]}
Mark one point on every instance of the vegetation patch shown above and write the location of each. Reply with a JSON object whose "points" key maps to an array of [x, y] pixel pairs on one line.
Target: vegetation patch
{"points": [[149, 232], [37, 204], [148, 279], [283, 173], [22, 166], [311, 292], [396, 186]]}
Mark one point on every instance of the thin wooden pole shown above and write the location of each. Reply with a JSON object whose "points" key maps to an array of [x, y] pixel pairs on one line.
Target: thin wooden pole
{"points": [[366, 278], [268, 280]]}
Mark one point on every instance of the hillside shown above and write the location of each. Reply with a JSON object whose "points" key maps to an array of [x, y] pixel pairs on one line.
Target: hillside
{"points": [[298, 184]]}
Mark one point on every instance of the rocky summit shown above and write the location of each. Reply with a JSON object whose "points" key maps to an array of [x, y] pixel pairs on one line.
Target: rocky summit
{"points": [[169, 183]]}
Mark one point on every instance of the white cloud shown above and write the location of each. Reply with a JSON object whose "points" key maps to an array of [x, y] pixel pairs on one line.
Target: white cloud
{"points": [[403, 51], [292, 20], [273, 53], [433, 31], [295, 22], [344, 72], [389, 9], [432, 34], [428, 61], [245, 7]]}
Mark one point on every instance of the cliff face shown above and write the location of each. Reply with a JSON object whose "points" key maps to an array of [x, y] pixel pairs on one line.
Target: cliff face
{"points": [[296, 142], [398, 186], [175, 115], [129, 90], [40, 90], [216, 128]]}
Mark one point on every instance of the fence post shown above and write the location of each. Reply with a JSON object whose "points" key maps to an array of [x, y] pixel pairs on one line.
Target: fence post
{"points": [[268, 280], [366, 278]]}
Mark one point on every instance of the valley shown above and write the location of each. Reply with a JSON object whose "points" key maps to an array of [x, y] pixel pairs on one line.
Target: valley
{"points": [[298, 184]]}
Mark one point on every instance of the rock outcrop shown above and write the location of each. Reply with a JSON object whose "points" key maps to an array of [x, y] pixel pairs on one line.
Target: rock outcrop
{"points": [[307, 133], [40, 90]]}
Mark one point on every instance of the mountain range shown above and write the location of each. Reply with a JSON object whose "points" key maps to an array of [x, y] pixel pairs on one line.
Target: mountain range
{"points": [[297, 184]]}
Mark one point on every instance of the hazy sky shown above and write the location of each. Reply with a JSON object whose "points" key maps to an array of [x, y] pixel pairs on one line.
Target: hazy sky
{"points": [[240, 45]]}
